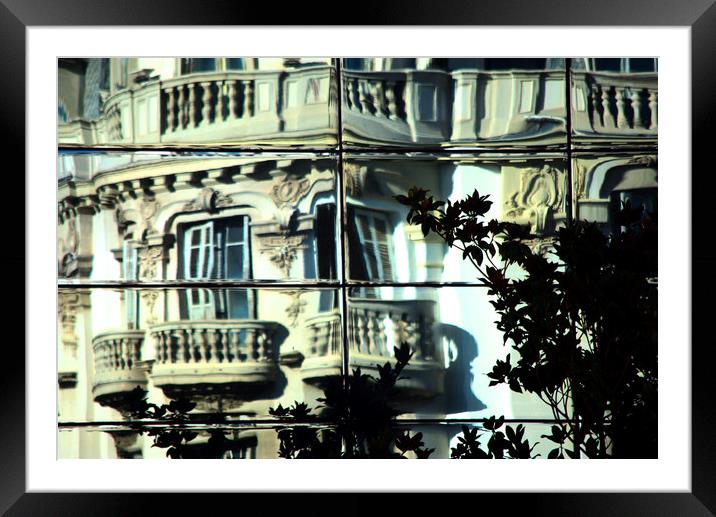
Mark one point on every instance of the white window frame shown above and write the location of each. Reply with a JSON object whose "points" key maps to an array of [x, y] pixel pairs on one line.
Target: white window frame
{"points": [[212, 258], [371, 216]]}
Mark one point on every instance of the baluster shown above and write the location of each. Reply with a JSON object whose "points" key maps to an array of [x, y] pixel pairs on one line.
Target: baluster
{"points": [[214, 336], [166, 344], [224, 345], [235, 346], [636, 106], [622, 122], [177, 353], [606, 112], [362, 96], [171, 105], [595, 106], [182, 115], [264, 346], [355, 99], [219, 108], [248, 98], [157, 346], [192, 105], [206, 100], [370, 321], [123, 354], [197, 352], [188, 351], [251, 352], [397, 328], [360, 328], [233, 100], [653, 105], [390, 96], [379, 99], [115, 355]]}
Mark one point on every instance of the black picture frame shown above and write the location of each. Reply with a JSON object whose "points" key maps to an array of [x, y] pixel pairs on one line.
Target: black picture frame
{"points": [[699, 15]]}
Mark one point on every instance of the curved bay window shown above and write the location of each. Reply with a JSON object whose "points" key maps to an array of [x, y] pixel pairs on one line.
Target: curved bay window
{"points": [[216, 249], [194, 65]]}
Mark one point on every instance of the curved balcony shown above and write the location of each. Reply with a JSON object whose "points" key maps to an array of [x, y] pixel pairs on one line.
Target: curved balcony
{"points": [[118, 367], [213, 357], [261, 106], [611, 104], [374, 328], [454, 108]]}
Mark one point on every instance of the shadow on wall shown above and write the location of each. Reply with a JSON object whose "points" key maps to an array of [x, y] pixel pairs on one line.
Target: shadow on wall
{"points": [[462, 350]]}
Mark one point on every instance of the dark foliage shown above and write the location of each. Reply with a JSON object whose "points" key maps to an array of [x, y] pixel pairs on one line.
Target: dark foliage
{"points": [[583, 327], [363, 419]]}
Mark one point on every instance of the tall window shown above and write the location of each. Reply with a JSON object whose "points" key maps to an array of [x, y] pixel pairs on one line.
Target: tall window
{"points": [[374, 232], [217, 249]]}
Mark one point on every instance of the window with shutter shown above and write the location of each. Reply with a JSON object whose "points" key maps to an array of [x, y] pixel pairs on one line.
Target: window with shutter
{"points": [[217, 250], [375, 236]]}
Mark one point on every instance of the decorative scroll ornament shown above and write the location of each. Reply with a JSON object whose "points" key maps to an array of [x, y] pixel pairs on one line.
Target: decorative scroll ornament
{"points": [[295, 308], [580, 180], [647, 161], [355, 178], [282, 250], [289, 189], [149, 259], [72, 242], [148, 210], [540, 194], [208, 199], [149, 297]]}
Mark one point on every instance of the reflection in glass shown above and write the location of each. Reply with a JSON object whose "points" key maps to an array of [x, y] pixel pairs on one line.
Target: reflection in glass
{"points": [[455, 342], [604, 182], [454, 102], [615, 100], [148, 216], [382, 247], [237, 351], [261, 102]]}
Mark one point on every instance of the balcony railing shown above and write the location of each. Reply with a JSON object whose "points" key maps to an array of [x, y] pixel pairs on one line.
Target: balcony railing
{"points": [[118, 367], [215, 107], [439, 107], [617, 104], [213, 353], [374, 328]]}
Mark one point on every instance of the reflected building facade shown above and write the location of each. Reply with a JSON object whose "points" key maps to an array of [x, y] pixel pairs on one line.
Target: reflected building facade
{"points": [[216, 243]]}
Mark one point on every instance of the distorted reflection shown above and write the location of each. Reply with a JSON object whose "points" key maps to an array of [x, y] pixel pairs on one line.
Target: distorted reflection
{"points": [[615, 100], [159, 216], [383, 247], [260, 102], [454, 102]]}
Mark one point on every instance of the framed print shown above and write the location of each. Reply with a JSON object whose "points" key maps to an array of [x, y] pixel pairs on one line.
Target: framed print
{"points": [[230, 243]]}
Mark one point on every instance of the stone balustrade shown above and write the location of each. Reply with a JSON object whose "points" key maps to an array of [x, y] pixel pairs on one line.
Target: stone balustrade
{"points": [[118, 367], [216, 352], [215, 107], [374, 328], [616, 104]]}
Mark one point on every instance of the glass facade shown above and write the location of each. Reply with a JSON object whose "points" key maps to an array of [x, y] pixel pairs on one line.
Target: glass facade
{"points": [[229, 235]]}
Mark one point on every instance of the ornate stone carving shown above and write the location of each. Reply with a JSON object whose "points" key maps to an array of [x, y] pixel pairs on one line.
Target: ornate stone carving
{"points": [[208, 199], [149, 297], [282, 250], [540, 193], [580, 180], [149, 259], [148, 210], [355, 178], [647, 161], [289, 189], [67, 305], [296, 306]]}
